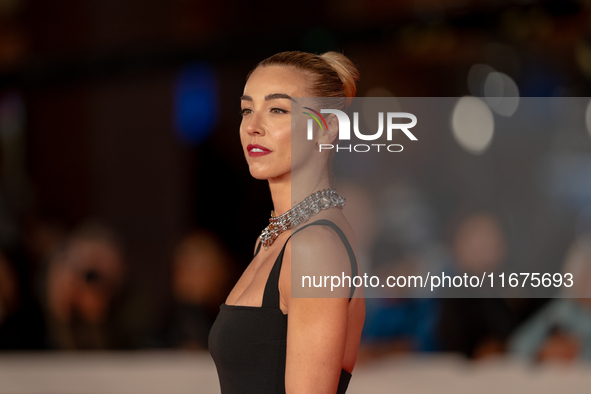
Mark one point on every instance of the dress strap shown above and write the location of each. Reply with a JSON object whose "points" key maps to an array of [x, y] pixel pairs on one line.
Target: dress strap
{"points": [[258, 248], [271, 294]]}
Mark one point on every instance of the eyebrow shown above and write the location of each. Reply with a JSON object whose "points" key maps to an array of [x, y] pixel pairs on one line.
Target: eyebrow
{"points": [[272, 96]]}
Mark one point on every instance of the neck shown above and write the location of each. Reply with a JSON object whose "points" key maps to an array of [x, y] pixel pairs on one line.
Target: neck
{"points": [[288, 191]]}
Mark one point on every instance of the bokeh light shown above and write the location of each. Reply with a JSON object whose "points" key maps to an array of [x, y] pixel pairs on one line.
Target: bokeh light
{"points": [[588, 118], [195, 112], [501, 93], [472, 124]]}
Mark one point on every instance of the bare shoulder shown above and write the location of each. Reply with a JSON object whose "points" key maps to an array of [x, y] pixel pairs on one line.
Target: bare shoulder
{"points": [[315, 257]]}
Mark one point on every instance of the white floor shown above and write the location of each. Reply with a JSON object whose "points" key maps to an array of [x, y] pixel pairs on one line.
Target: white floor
{"points": [[185, 372]]}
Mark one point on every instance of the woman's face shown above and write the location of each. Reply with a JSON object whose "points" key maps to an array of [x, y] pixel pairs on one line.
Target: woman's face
{"points": [[266, 109]]}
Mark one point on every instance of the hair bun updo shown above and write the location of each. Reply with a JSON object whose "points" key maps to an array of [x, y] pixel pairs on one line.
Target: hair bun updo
{"points": [[345, 69]]}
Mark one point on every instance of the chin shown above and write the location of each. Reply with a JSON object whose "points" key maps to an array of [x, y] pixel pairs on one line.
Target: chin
{"points": [[264, 174]]}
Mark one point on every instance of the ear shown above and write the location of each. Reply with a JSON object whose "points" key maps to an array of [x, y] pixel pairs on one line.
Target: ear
{"points": [[329, 136]]}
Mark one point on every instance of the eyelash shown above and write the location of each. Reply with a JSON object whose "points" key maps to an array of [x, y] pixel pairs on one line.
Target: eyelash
{"points": [[242, 112], [279, 109]]}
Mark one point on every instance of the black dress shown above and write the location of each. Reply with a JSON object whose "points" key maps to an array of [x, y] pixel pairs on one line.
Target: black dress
{"points": [[248, 343]]}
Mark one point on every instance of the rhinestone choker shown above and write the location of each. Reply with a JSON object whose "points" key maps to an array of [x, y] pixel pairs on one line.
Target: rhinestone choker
{"points": [[300, 213]]}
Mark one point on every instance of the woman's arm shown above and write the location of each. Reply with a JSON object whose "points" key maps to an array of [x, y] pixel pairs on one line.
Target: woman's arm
{"points": [[317, 327]]}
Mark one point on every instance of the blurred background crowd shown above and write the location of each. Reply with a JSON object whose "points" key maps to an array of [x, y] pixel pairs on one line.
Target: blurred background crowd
{"points": [[127, 211]]}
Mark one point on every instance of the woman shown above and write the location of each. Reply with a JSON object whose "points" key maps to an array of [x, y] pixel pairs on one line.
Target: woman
{"points": [[256, 348]]}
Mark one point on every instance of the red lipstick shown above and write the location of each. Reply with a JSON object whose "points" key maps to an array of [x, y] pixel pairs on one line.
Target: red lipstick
{"points": [[255, 150]]}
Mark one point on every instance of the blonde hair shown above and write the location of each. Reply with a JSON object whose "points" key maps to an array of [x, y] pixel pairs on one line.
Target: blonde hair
{"points": [[334, 74]]}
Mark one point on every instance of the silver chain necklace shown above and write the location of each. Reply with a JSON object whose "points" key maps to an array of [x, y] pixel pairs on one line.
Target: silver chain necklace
{"points": [[300, 213]]}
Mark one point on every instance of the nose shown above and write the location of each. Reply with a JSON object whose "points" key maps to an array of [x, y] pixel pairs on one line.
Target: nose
{"points": [[253, 124]]}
